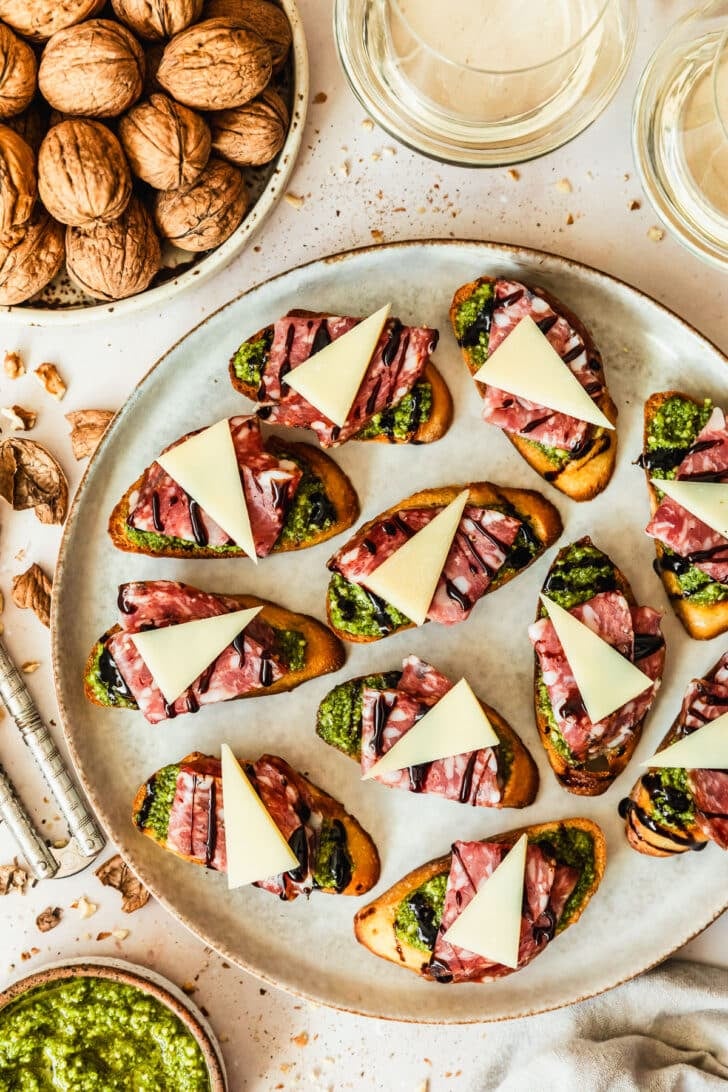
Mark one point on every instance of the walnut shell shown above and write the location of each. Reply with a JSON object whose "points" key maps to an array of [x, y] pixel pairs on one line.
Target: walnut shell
{"points": [[117, 259], [18, 185], [206, 214], [167, 145], [39, 19], [28, 264], [82, 173], [17, 73], [155, 19], [215, 65], [266, 19], [95, 69], [253, 134]]}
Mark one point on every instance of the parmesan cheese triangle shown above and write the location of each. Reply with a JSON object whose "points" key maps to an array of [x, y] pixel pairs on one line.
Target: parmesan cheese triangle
{"points": [[254, 846], [331, 378], [177, 655], [607, 680], [206, 467], [490, 925], [704, 749], [708, 501], [408, 578], [455, 725], [526, 364]]}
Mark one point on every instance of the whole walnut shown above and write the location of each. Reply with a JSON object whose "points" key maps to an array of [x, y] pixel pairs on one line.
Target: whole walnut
{"points": [[266, 19], [18, 183], [253, 134], [39, 19], [157, 18], [95, 69], [82, 173], [206, 214], [167, 145], [214, 65], [32, 259], [116, 259], [17, 73]]}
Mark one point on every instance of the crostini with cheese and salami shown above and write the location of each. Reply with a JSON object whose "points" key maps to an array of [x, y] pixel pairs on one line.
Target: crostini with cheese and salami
{"points": [[365, 718], [575, 454], [409, 923], [499, 533], [401, 399], [617, 649], [686, 441]]}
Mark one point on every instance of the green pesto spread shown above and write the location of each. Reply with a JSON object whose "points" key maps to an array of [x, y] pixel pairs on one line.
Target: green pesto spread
{"points": [[352, 611], [421, 908], [340, 713], [672, 430], [159, 543], [662, 804], [155, 815], [575, 848], [558, 742], [467, 314], [100, 688], [95, 1035], [558, 456], [402, 420], [333, 868], [311, 510], [251, 358]]}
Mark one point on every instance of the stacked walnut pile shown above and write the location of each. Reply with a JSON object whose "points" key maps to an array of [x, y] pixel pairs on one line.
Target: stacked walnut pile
{"points": [[116, 132]]}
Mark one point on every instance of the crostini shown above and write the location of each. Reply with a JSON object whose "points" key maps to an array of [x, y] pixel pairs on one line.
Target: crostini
{"points": [[500, 533], [275, 651], [576, 456], [181, 808], [365, 717], [407, 924], [402, 398], [672, 809], [687, 440], [295, 497], [585, 754]]}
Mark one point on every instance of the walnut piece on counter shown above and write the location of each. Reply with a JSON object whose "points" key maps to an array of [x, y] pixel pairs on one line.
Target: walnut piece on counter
{"points": [[13, 365], [50, 379], [117, 874], [13, 878], [19, 419], [49, 918], [87, 428], [32, 591], [30, 666], [30, 477]]}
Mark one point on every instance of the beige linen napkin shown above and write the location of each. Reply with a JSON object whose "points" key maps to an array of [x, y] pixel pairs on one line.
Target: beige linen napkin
{"points": [[666, 1031]]}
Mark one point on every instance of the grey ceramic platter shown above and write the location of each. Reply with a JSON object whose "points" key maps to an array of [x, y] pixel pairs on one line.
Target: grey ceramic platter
{"points": [[645, 908]]}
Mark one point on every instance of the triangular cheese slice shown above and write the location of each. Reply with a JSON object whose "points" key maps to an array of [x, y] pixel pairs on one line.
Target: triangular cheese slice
{"points": [[177, 655], [526, 364], [206, 467], [409, 576], [606, 679], [708, 501], [490, 925], [254, 846], [331, 378], [704, 749], [455, 725]]}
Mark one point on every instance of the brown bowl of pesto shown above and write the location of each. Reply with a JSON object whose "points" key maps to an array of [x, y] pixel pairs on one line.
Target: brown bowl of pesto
{"points": [[105, 1024]]}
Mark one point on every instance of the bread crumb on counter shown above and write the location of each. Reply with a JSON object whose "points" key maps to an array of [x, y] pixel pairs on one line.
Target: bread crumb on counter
{"points": [[294, 199], [13, 365]]}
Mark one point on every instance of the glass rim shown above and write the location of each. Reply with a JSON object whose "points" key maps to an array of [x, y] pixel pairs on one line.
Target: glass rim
{"points": [[721, 114], [502, 71]]}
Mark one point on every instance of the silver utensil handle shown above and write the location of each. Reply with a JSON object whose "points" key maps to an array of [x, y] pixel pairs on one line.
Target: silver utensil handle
{"points": [[20, 706], [40, 860]]}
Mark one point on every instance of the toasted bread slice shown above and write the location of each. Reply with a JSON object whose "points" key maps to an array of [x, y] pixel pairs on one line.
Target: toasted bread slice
{"points": [[337, 495], [593, 777], [428, 430], [540, 516], [361, 849], [702, 621], [324, 653], [583, 476], [520, 786], [374, 923]]}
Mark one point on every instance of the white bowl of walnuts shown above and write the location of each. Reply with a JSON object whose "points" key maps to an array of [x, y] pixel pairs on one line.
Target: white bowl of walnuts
{"points": [[142, 142]]}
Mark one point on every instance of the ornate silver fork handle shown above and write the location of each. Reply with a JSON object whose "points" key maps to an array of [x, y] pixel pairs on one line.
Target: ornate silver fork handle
{"points": [[19, 704], [40, 860]]}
